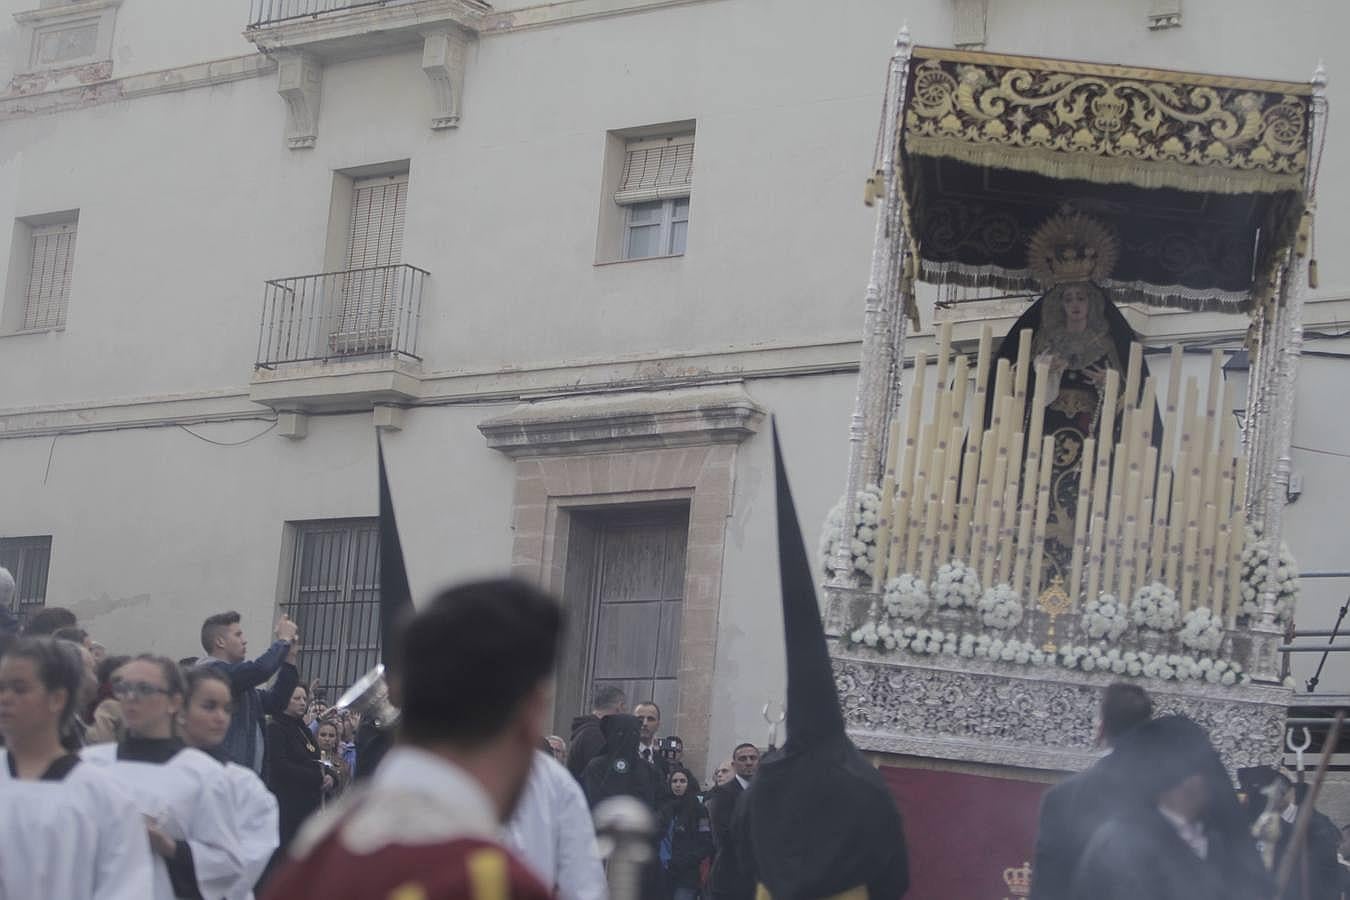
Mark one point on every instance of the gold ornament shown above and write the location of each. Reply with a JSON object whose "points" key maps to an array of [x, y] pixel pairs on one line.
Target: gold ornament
{"points": [[1072, 247], [1054, 602]]}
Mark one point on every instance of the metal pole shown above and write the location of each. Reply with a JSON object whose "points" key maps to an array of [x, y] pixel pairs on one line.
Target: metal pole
{"points": [[871, 366]]}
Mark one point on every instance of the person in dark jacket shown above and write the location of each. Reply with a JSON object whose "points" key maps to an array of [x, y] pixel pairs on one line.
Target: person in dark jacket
{"points": [[1072, 809], [587, 739], [223, 640], [619, 771], [1259, 783], [685, 834], [1178, 833], [293, 770]]}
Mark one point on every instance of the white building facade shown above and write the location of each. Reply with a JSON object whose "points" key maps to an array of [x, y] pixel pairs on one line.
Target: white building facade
{"points": [[566, 257]]}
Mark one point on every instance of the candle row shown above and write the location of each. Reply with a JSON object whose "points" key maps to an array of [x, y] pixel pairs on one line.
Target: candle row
{"points": [[1149, 508]]}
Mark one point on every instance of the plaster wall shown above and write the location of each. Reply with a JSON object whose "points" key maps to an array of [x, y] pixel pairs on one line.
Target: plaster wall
{"points": [[189, 201]]}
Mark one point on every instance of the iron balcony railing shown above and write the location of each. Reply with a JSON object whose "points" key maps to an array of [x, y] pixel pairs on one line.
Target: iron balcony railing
{"points": [[269, 12], [374, 311]]}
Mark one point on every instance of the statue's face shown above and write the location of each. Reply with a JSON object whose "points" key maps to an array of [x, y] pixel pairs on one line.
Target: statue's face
{"points": [[1075, 298]]}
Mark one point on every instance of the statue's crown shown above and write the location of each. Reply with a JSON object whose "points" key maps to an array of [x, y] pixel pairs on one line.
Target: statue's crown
{"points": [[1018, 880], [1071, 247]]}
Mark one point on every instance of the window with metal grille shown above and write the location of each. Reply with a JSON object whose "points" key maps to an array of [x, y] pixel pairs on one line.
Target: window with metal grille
{"points": [[27, 559], [335, 600], [658, 177], [374, 249], [50, 263]]}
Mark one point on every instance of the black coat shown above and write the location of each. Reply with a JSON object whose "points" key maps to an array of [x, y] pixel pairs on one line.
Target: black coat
{"points": [[587, 743], [619, 771], [731, 877], [1324, 871], [1139, 854], [685, 823], [293, 773], [1070, 812]]}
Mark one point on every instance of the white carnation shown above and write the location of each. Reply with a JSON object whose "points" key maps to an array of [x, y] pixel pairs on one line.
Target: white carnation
{"points": [[956, 585], [1001, 607], [906, 598], [1202, 631], [1155, 606], [1105, 618]]}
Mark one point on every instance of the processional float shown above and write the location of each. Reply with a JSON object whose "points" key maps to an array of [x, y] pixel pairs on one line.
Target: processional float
{"points": [[1027, 519]]}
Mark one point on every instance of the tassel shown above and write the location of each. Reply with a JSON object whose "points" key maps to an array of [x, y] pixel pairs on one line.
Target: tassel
{"points": [[874, 188], [1312, 274]]}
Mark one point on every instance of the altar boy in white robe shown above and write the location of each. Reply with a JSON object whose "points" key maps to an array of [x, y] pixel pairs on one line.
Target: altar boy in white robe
{"points": [[66, 830], [184, 794], [204, 722]]}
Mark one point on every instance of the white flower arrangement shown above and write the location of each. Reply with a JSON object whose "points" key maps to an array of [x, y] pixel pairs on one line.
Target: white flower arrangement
{"points": [[1155, 606], [1093, 658], [1010, 650], [1163, 666], [929, 641], [1256, 569], [862, 539], [1001, 607], [1105, 618], [957, 585], [1202, 631], [906, 597]]}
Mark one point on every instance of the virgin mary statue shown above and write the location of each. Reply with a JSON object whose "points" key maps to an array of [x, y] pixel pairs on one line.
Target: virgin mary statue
{"points": [[1081, 335]]}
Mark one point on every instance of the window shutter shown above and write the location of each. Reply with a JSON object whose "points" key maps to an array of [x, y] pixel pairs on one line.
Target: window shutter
{"points": [[657, 170], [49, 272], [378, 206], [370, 304]]}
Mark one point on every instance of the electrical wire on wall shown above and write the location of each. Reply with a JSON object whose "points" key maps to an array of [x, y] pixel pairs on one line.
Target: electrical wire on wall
{"points": [[239, 443]]}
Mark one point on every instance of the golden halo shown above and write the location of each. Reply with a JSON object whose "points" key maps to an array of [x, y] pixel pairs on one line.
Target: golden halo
{"points": [[1072, 247]]}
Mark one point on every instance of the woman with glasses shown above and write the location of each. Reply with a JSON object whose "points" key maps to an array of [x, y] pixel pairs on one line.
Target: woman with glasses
{"points": [[183, 793], [100, 849], [207, 708]]}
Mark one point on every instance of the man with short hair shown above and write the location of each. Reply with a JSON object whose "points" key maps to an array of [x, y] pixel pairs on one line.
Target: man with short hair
{"points": [[472, 680], [1072, 809], [649, 715], [730, 879], [226, 649], [587, 738]]}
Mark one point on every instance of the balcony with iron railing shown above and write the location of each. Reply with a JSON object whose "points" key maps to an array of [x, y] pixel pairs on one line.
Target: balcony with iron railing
{"points": [[270, 12], [340, 339], [304, 36], [325, 26]]}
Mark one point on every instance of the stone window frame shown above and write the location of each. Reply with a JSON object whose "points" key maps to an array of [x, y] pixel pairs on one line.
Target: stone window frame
{"points": [[613, 457], [52, 17]]}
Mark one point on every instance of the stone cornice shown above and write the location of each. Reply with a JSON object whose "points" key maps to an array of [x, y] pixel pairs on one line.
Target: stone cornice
{"points": [[100, 89], [165, 81], [69, 11], [632, 420], [547, 381]]}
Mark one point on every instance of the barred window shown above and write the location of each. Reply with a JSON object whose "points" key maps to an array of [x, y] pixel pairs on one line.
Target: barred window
{"points": [[27, 559], [335, 600]]}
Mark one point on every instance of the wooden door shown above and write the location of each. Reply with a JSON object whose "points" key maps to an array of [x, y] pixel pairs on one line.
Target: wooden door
{"points": [[624, 589]]}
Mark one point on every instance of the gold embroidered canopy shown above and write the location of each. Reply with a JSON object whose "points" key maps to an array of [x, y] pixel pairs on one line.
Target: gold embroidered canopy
{"points": [[1201, 176]]}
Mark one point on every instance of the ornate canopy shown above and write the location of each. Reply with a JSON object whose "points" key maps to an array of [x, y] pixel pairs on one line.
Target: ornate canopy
{"points": [[1202, 177]]}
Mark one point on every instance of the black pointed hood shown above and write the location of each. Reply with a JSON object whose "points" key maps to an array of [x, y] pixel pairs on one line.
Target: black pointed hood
{"points": [[395, 595], [817, 819], [813, 714]]}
